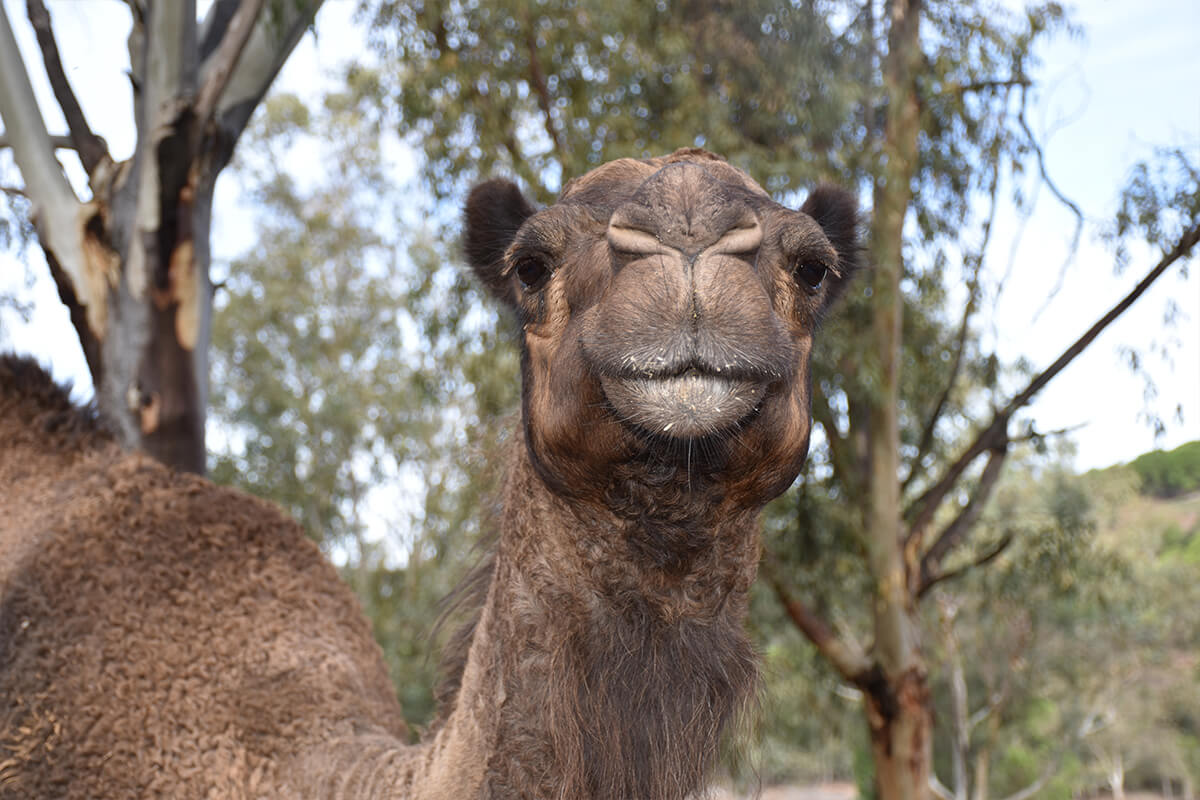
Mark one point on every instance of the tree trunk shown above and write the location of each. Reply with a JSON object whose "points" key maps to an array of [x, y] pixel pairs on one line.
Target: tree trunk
{"points": [[898, 711], [900, 720], [131, 263]]}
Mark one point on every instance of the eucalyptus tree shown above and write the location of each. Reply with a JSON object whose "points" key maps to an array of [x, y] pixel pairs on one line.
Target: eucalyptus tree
{"points": [[130, 251]]}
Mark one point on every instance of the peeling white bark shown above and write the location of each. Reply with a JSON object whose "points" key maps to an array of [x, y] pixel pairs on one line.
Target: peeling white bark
{"points": [[58, 214]]}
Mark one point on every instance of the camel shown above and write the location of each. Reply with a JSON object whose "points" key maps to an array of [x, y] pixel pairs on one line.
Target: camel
{"points": [[161, 636]]}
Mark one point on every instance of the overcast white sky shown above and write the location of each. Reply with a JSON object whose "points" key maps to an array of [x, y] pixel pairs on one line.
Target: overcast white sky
{"points": [[1130, 84]]}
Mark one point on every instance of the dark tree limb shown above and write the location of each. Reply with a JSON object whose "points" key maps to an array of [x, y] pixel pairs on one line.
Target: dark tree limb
{"points": [[929, 581], [88, 340], [989, 85], [954, 533], [925, 506], [90, 147], [846, 656]]}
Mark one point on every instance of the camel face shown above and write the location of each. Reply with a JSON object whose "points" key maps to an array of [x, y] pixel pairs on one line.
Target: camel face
{"points": [[668, 308]]}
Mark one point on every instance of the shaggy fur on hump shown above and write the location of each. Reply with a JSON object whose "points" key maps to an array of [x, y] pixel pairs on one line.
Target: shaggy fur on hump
{"points": [[161, 636]]}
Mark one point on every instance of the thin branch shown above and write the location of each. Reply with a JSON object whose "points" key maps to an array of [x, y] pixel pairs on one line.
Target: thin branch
{"points": [[956, 531], [1034, 435], [989, 708], [839, 458], [1040, 156], [218, 69], [14, 191], [924, 507], [1182, 249], [846, 656], [89, 146], [1045, 175], [925, 443], [987, 86], [537, 79], [933, 580]]}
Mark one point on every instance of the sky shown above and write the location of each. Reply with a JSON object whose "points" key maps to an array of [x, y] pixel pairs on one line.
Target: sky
{"points": [[1107, 98]]}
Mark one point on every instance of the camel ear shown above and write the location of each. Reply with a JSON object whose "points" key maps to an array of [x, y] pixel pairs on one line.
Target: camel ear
{"points": [[494, 213], [836, 211]]}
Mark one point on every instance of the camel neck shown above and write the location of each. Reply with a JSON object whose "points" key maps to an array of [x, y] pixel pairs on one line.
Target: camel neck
{"points": [[595, 671]]}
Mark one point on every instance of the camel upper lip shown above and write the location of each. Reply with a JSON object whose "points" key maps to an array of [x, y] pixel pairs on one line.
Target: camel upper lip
{"points": [[692, 368]]}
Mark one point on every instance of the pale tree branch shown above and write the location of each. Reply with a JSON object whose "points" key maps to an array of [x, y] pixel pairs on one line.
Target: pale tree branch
{"points": [[273, 36], [925, 506], [959, 731], [89, 146], [939, 789], [213, 27], [219, 66], [57, 141], [846, 655], [58, 214], [981, 715]]}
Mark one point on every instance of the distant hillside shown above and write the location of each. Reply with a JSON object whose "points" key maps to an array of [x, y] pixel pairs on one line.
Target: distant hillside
{"points": [[1150, 507], [1169, 473]]}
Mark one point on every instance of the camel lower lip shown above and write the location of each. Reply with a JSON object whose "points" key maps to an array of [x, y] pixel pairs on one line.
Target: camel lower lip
{"points": [[684, 406]]}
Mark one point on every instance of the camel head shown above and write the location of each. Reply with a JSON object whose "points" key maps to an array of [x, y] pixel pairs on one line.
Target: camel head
{"points": [[667, 309]]}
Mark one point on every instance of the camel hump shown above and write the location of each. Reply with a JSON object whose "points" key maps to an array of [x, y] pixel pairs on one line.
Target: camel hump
{"points": [[37, 410]]}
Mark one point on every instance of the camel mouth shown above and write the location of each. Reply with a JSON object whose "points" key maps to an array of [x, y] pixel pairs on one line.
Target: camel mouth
{"points": [[687, 406]]}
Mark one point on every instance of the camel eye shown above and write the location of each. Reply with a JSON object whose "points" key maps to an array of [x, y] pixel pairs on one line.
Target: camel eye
{"points": [[811, 273], [532, 273]]}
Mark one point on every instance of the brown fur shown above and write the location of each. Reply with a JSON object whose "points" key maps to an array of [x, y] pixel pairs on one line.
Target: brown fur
{"points": [[160, 636]]}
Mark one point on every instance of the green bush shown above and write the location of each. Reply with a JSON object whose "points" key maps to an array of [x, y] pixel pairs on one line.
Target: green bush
{"points": [[1169, 473]]}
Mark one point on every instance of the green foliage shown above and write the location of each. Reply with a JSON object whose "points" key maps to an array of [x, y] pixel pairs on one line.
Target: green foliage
{"points": [[351, 371], [549, 90], [1169, 473], [1161, 200]]}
